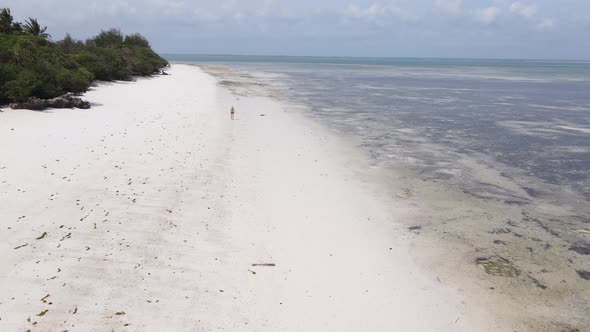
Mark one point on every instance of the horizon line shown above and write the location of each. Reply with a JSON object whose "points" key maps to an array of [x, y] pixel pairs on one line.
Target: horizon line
{"points": [[378, 57]]}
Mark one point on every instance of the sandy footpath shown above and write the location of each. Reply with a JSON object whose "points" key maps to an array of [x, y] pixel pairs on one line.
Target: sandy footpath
{"points": [[147, 213]]}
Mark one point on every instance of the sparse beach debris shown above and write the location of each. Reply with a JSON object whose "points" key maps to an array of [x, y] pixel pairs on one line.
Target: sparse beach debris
{"points": [[253, 272], [67, 236], [21, 246], [44, 298], [265, 264], [415, 229], [120, 313], [42, 313], [42, 236], [498, 266], [407, 194]]}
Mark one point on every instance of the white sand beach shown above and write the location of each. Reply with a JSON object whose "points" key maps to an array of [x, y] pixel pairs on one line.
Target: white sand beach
{"points": [[149, 212]]}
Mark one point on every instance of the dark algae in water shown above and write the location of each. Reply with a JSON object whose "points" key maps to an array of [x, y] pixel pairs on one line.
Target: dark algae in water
{"points": [[581, 248], [584, 274]]}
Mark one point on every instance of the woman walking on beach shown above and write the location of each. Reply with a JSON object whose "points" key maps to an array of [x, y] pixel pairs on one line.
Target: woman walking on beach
{"points": [[232, 112]]}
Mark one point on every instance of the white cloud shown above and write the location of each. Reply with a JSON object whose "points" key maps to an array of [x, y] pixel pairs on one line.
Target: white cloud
{"points": [[202, 16], [114, 9], [419, 27], [266, 8], [487, 15], [377, 12], [238, 16], [450, 6], [546, 24], [523, 10], [168, 7]]}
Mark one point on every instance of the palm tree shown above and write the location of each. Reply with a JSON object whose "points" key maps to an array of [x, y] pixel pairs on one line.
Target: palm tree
{"points": [[32, 27], [6, 21], [17, 27]]}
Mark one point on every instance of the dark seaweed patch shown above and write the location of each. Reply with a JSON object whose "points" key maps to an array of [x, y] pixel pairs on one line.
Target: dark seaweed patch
{"points": [[500, 231], [584, 274], [581, 248], [537, 283]]}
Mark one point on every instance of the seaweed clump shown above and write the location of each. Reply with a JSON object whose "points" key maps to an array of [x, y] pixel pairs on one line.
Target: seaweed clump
{"points": [[498, 266]]}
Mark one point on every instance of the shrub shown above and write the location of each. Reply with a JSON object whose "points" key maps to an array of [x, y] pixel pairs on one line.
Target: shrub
{"points": [[31, 65], [104, 64], [71, 46], [107, 38], [136, 39], [74, 81], [93, 64], [8, 73], [22, 87]]}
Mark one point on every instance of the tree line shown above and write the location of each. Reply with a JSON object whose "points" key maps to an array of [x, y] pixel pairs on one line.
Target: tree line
{"points": [[32, 65]]}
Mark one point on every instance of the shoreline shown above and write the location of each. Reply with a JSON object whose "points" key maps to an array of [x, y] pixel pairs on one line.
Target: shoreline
{"points": [[507, 261], [175, 204], [351, 165]]}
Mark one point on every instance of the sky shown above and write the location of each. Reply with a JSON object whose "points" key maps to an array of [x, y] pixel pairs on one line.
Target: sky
{"points": [[524, 29]]}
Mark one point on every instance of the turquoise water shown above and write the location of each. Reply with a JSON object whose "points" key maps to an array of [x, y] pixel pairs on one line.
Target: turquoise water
{"points": [[516, 131]]}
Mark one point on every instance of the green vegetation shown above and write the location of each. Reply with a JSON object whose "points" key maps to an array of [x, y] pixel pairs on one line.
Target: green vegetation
{"points": [[32, 65]]}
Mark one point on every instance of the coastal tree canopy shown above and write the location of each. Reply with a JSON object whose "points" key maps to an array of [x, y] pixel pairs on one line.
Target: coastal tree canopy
{"points": [[32, 27], [31, 65], [111, 38], [6, 21]]}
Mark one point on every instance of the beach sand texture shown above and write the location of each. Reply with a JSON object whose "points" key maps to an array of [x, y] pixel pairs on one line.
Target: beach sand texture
{"points": [[153, 211]]}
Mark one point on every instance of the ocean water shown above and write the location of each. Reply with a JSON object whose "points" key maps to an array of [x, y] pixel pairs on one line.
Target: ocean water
{"points": [[513, 131]]}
